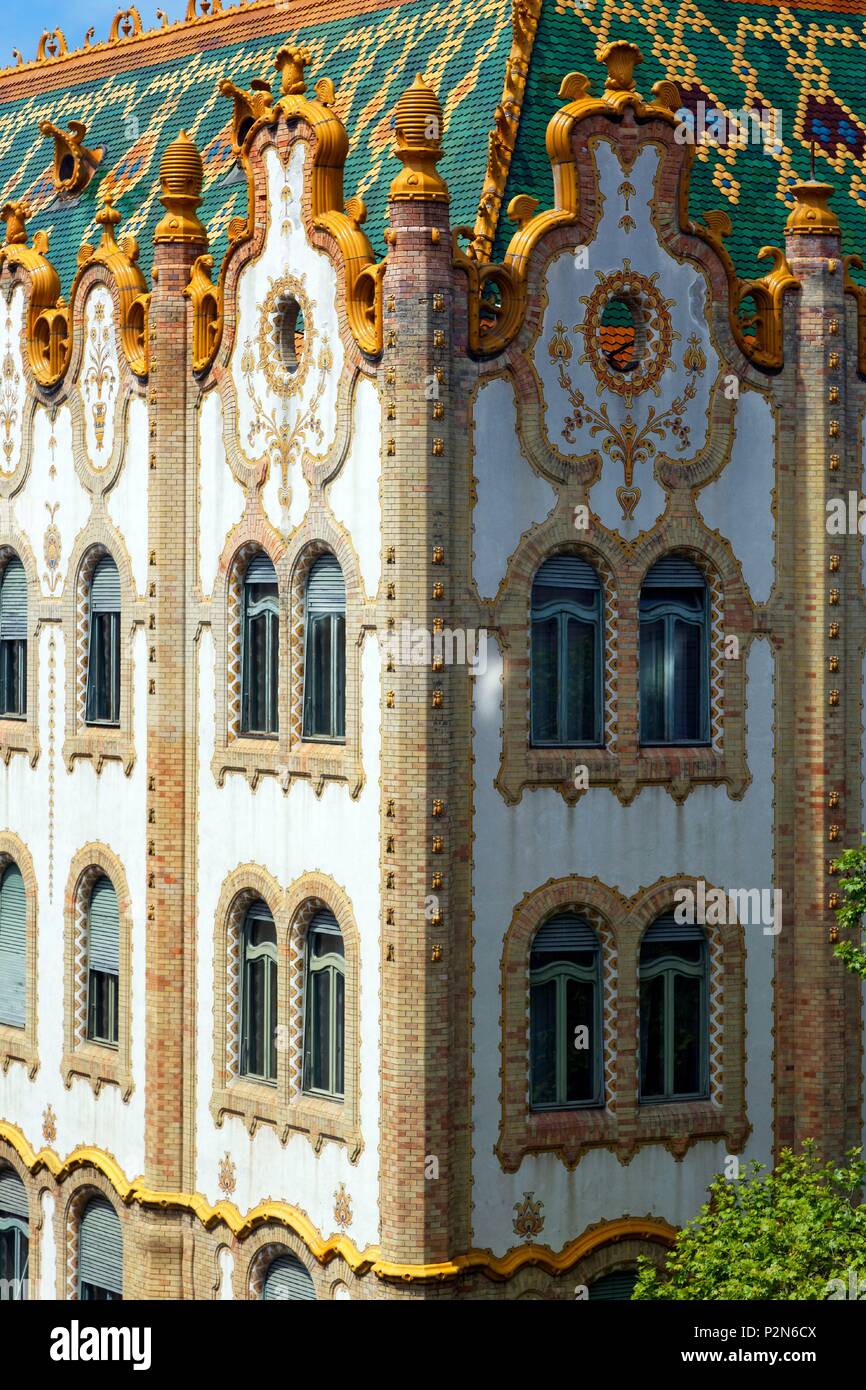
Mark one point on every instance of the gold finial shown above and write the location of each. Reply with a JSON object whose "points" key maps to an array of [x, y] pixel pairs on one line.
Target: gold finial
{"points": [[108, 216], [810, 214], [181, 174], [291, 63], [621, 58], [74, 163], [418, 123], [15, 216]]}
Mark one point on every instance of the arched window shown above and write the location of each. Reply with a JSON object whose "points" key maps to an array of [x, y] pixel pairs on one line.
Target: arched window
{"points": [[567, 653], [325, 1012], [674, 654], [13, 640], [674, 1025], [260, 647], [13, 948], [14, 1237], [565, 1027], [325, 651], [100, 1253], [259, 995], [103, 652], [103, 963], [617, 1287], [287, 1279]]}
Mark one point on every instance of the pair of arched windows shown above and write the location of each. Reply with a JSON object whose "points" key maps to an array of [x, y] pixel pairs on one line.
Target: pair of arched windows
{"points": [[324, 1011], [567, 684], [566, 1036], [324, 671]]}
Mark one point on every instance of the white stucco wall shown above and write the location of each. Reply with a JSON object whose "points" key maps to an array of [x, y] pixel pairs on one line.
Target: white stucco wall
{"points": [[517, 849], [738, 503]]}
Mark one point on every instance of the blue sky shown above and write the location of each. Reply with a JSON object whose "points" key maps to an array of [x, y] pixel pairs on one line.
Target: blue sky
{"points": [[22, 22]]}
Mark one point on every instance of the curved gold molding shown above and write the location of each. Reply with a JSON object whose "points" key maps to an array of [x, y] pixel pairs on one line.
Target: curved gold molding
{"points": [[326, 1249], [501, 140], [255, 110], [49, 316]]}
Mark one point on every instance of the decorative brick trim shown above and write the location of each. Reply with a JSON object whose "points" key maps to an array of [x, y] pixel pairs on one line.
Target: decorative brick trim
{"points": [[22, 735], [622, 1124], [100, 1064], [284, 1105], [98, 743], [257, 1253], [67, 1225], [22, 1044]]}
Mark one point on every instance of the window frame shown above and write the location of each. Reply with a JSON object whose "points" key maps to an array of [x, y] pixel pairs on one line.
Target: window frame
{"points": [[267, 607], [562, 609], [102, 985], [13, 652], [668, 611], [104, 659], [337, 646], [268, 952], [670, 967], [561, 971], [333, 964]]}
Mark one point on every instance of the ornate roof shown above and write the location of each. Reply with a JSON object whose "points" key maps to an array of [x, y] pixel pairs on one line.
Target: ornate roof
{"points": [[806, 60], [135, 93], [496, 66]]}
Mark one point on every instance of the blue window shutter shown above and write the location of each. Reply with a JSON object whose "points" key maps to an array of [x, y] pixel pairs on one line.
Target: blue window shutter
{"points": [[100, 1246], [13, 948], [260, 570], [673, 572], [105, 589], [667, 929], [287, 1279], [103, 939], [566, 932], [566, 572], [325, 922], [617, 1286], [13, 1195], [13, 603], [326, 587]]}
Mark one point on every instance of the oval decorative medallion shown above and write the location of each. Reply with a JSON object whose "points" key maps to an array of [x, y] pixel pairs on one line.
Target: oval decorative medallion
{"points": [[627, 332], [285, 335]]}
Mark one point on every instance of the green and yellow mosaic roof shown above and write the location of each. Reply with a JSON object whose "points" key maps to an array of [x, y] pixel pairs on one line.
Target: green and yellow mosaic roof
{"points": [[460, 45], [806, 61]]}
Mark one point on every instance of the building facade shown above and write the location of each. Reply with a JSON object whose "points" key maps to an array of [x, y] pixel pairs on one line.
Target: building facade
{"points": [[400, 631]]}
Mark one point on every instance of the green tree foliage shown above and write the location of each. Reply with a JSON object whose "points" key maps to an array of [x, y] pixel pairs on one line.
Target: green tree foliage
{"points": [[852, 868], [784, 1234]]}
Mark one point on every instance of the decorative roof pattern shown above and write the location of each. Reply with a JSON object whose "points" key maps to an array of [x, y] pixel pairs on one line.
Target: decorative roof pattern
{"points": [[371, 51], [734, 56]]}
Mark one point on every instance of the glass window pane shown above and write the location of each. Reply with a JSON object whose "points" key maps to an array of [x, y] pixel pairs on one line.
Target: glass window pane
{"points": [[545, 681], [320, 987], [686, 694], [542, 1043], [339, 641], [652, 682], [580, 681], [13, 677], [339, 1033], [687, 1035], [652, 1031], [579, 1061]]}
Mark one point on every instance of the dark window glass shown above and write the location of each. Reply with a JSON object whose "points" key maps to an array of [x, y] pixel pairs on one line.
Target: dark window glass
{"points": [[565, 1031], [325, 652], [259, 996], [567, 654], [260, 654], [13, 640], [674, 1022], [324, 1025], [674, 655]]}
